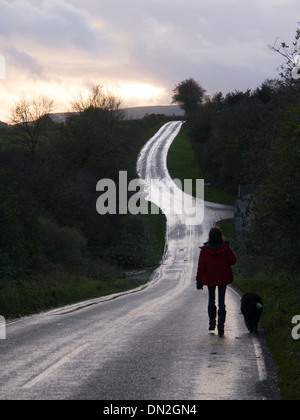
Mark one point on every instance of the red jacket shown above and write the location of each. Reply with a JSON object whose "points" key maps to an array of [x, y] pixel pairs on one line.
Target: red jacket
{"points": [[214, 267]]}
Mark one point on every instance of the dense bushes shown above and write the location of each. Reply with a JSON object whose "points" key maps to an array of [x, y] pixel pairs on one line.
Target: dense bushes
{"points": [[60, 244], [13, 252], [50, 230], [253, 138]]}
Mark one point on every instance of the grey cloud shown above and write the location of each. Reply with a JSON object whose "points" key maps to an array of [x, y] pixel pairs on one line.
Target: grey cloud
{"points": [[56, 24], [221, 43], [23, 62], [224, 44]]}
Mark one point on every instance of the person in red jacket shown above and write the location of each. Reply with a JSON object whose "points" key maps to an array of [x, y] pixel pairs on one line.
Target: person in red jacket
{"points": [[214, 270]]}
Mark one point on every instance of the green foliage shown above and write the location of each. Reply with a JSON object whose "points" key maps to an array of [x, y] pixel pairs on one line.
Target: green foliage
{"points": [[222, 131], [278, 208], [12, 249], [189, 95], [280, 294], [140, 243], [61, 244], [50, 231], [183, 164], [253, 138], [46, 294]]}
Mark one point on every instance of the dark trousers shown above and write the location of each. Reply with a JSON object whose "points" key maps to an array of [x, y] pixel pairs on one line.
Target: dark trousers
{"points": [[221, 296]]}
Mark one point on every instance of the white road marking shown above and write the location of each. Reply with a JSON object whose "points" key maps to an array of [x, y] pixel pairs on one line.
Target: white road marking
{"points": [[260, 360], [261, 365], [42, 376]]}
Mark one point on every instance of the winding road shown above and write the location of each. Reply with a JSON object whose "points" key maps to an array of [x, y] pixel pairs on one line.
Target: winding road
{"points": [[148, 344]]}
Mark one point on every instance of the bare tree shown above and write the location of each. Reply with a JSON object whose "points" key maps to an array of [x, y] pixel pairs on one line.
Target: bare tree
{"points": [[291, 55], [29, 115], [101, 99]]}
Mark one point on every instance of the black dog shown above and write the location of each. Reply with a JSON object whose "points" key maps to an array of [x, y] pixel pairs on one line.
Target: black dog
{"points": [[251, 307]]}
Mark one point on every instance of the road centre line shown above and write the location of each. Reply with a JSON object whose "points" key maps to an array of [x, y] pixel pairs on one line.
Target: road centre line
{"points": [[42, 376]]}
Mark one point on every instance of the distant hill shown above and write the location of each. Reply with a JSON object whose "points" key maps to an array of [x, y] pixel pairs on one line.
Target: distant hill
{"points": [[60, 117], [141, 111], [133, 113], [3, 125]]}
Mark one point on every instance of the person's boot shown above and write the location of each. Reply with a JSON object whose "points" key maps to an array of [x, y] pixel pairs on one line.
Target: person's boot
{"points": [[212, 313], [221, 322]]}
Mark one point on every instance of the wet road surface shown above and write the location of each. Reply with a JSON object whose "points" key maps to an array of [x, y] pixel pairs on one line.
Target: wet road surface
{"points": [[149, 344]]}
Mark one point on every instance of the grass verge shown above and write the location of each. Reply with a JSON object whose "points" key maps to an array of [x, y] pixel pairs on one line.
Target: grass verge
{"points": [[182, 164], [20, 301], [281, 303]]}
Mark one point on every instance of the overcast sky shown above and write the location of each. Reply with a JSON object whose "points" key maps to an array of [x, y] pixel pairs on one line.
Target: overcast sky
{"points": [[139, 49]]}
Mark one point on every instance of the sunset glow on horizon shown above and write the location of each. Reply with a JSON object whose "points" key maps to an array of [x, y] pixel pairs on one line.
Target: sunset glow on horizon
{"points": [[137, 50]]}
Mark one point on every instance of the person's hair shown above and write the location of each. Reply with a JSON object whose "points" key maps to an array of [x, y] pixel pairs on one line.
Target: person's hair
{"points": [[215, 235]]}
